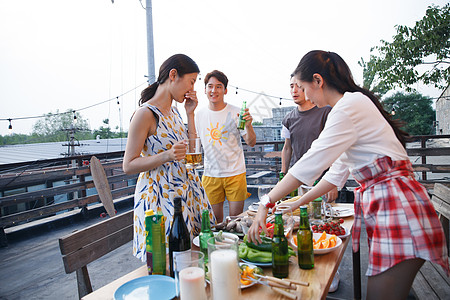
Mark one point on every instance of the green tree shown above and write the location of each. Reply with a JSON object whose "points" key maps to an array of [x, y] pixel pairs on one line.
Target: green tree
{"points": [[54, 127], [14, 139], [414, 109], [104, 131], [420, 54]]}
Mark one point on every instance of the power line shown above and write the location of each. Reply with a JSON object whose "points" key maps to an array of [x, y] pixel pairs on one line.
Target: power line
{"points": [[71, 111]]}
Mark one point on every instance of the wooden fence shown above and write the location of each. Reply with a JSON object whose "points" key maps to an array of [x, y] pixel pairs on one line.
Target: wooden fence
{"points": [[45, 188], [35, 190]]}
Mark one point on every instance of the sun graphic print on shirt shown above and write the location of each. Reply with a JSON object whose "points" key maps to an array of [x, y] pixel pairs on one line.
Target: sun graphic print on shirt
{"points": [[216, 134]]}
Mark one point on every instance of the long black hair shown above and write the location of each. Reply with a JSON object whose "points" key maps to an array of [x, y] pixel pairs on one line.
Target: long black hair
{"points": [[338, 76], [180, 62]]}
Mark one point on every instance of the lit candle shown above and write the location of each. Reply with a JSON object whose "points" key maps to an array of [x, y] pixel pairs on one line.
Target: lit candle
{"points": [[224, 274], [192, 284]]}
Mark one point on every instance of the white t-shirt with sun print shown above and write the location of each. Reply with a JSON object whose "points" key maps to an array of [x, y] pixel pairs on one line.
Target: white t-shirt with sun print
{"points": [[221, 141]]}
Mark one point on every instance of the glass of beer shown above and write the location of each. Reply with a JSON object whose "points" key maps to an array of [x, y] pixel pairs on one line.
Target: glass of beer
{"points": [[194, 153]]}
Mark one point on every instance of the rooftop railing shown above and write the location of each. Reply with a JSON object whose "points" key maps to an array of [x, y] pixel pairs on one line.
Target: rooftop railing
{"points": [[31, 191]]}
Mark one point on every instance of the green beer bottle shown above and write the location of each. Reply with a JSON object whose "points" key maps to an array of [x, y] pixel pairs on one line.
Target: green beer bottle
{"points": [[280, 256], [205, 234], [241, 124], [305, 241]]}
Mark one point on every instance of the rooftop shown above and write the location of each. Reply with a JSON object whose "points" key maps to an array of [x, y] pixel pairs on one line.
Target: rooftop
{"points": [[32, 152]]}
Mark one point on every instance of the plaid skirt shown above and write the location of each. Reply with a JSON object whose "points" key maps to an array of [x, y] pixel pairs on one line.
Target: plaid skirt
{"points": [[400, 219]]}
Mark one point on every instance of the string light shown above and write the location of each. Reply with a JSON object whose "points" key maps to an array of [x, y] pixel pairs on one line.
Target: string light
{"points": [[146, 82], [10, 126], [73, 111], [258, 93]]}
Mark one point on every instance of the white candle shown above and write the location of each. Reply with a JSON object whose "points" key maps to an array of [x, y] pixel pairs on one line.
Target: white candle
{"points": [[192, 284], [224, 275]]}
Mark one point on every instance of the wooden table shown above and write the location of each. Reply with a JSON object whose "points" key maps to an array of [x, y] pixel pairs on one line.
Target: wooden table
{"points": [[319, 278]]}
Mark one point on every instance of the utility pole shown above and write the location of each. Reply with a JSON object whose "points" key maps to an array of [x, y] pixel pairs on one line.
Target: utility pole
{"points": [[150, 47]]}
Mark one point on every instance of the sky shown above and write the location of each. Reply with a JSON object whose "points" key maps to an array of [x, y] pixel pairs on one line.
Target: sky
{"points": [[58, 55]]}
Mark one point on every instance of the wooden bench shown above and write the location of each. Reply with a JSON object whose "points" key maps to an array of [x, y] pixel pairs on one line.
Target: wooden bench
{"points": [[82, 247], [431, 281]]}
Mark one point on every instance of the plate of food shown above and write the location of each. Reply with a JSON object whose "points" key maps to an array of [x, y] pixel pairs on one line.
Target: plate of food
{"points": [[235, 224], [196, 240], [331, 227], [248, 270], [322, 242]]}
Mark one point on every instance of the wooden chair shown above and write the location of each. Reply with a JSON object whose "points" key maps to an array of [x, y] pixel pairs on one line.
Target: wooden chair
{"points": [[431, 281], [84, 246]]}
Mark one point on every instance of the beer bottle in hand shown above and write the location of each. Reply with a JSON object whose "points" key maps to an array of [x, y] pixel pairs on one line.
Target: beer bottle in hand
{"points": [[205, 234], [305, 241], [280, 256], [179, 237], [241, 124]]}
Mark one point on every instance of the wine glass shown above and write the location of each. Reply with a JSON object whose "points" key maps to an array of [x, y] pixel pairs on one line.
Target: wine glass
{"points": [[262, 190], [303, 190]]}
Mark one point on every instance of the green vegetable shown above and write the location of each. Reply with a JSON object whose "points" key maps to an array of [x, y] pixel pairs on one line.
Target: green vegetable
{"points": [[266, 244], [259, 256], [255, 255], [243, 266], [243, 250], [258, 270]]}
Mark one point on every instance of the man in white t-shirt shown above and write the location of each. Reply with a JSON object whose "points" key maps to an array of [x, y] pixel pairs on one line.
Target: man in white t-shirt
{"points": [[224, 165]]}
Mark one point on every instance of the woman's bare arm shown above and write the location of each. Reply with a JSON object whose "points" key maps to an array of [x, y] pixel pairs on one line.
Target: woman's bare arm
{"points": [[142, 125]]}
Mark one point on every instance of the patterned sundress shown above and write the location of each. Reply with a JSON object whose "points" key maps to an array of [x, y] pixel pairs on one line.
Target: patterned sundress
{"points": [[155, 187], [400, 219]]}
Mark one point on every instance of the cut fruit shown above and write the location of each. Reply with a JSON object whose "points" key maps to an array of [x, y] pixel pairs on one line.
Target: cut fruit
{"points": [[322, 237]]}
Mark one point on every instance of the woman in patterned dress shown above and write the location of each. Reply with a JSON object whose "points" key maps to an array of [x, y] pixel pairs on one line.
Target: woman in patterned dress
{"points": [[156, 147], [360, 137]]}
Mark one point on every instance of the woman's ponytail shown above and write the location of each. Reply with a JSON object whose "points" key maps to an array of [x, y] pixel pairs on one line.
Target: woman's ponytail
{"points": [[148, 93]]}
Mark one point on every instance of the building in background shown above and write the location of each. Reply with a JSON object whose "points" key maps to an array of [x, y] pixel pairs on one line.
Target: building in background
{"points": [[443, 112]]}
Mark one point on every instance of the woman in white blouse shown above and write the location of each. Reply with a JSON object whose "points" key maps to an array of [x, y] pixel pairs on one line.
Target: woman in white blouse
{"points": [[360, 138]]}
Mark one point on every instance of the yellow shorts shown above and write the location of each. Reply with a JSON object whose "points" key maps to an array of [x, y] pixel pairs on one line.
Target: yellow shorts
{"points": [[234, 188]]}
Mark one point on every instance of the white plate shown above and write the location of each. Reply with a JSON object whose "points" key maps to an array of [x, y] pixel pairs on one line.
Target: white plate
{"points": [[316, 236], [341, 212], [196, 240], [252, 266], [158, 286], [259, 264]]}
